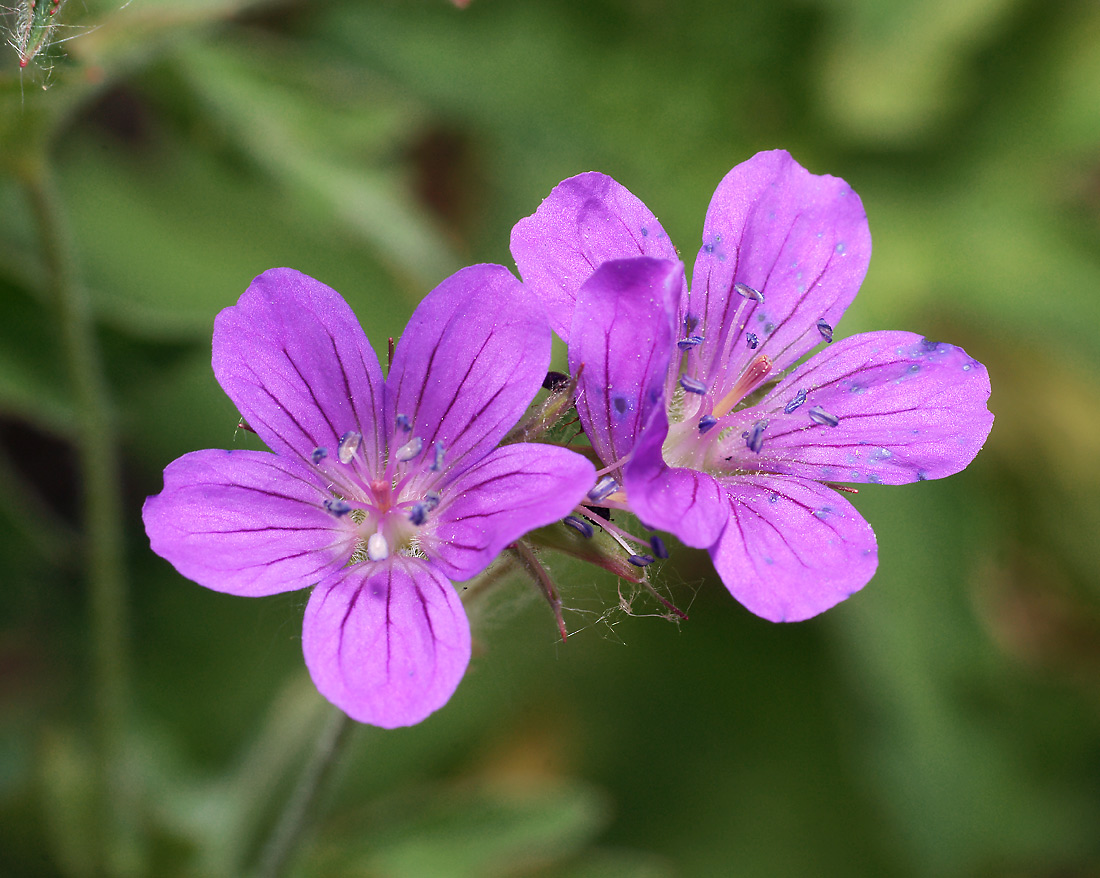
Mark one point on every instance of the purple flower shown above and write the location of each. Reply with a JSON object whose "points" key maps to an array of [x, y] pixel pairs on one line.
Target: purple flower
{"points": [[722, 439], [380, 492]]}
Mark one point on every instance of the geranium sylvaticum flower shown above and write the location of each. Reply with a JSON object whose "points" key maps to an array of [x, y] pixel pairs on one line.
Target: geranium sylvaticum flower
{"points": [[723, 437], [379, 491]]}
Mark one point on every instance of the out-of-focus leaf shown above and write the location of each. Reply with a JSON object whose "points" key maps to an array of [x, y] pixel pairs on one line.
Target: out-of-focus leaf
{"points": [[897, 69], [971, 775], [67, 782], [32, 374], [266, 102], [470, 831]]}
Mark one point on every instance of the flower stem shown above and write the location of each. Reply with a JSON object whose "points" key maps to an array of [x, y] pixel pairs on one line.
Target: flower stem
{"points": [[95, 439], [295, 818]]}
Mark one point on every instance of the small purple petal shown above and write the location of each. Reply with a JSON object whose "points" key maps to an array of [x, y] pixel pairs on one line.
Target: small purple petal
{"points": [[684, 502], [908, 410], [587, 220], [295, 361], [792, 548], [246, 522], [511, 491], [623, 337], [386, 642], [471, 359]]}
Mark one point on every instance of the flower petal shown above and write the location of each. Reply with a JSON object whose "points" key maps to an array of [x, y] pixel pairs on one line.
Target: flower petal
{"points": [[299, 368], [682, 501], [792, 548], [587, 220], [387, 643], [799, 239], [909, 409], [509, 492], [473, 357], [622, 336], [245, 522]]}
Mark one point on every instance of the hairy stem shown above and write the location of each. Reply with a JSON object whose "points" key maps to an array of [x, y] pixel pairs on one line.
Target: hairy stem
{"points": [[283, 842], [96, 443]]}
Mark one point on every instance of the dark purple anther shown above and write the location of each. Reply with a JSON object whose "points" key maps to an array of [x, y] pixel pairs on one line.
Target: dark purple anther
{"points": [[603, 489], [437, 461], [318, 455], [658, 546], [336, 506], [692, 341], [640, 560], [751, 340], [819, 416], [579, 525], [403, 423], [419, 513], [692, 385], [754, 439], [826, 330], [706, 422], [799, 398]]}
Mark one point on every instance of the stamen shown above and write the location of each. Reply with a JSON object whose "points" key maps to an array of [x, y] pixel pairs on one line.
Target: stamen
{"points": [[437, 461], [754, 438], [749, 293], [686, 344], [706, 422], [819, 416], [752, 341], [692, 385], [410, 449], [826, 330], [579, 525], [640, 560], [799, 398], [431, 500], [604, 488], [658, 546], [419, 513], [318, 455], [756, 372], [242, 424], [690, 322], [336, 507], [349, 444], [377, 547], [403, 423]]}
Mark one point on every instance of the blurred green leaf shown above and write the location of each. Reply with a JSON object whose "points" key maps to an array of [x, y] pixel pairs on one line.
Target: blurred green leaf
{"points": [[472, 831]]}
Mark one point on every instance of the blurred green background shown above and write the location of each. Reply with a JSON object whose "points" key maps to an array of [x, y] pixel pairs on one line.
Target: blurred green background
{"points": [[943, 722]]}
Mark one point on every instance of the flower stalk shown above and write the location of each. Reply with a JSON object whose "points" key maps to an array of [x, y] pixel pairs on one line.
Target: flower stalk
{"points": [[96, 442]]}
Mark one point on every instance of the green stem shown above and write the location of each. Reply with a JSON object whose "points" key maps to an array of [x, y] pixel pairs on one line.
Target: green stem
{"points": [[96, 443], [295, 818]]}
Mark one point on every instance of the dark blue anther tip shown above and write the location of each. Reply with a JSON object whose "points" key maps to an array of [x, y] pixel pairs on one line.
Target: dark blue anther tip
{"points": [[754, 439], [658, 546], [580, 525], [318, 455], [603, 489], [826, 330], [707, 422], [819, 416], [692, 385], [752, 341], [799, 398], [336, 506], [640, 560]]}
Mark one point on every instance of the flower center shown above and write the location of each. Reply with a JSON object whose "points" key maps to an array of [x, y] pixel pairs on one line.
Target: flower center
{"points": [[383, 511]]}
